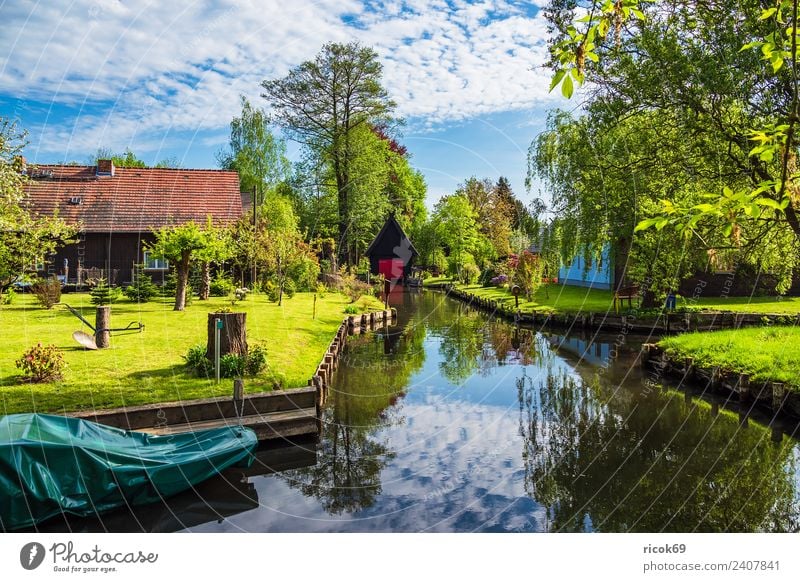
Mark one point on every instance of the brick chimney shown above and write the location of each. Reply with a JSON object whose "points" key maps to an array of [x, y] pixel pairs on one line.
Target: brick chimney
{"points": [[105, 168], [21, 164]]}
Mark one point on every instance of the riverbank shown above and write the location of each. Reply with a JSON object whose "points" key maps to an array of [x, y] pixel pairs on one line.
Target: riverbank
{"points": [[560, 299], [768, 354], [147, 367]]}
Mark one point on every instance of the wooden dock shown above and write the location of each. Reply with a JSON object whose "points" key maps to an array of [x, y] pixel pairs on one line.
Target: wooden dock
{"points": [[272, 415]]}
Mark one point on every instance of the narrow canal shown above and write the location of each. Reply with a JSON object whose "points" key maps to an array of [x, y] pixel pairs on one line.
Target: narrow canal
{"points": [[453, 421]]}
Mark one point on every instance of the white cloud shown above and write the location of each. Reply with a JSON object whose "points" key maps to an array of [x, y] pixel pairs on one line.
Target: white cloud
{"points": [[136, 72]]}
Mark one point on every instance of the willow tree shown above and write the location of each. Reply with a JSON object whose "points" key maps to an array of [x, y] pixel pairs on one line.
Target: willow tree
{"points": [[727, 72], [321, 103]]}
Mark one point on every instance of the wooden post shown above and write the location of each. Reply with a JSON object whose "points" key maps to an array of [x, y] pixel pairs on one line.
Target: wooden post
{"points": [[778, 396], [102, 326], [238, 396], [233, 339]]}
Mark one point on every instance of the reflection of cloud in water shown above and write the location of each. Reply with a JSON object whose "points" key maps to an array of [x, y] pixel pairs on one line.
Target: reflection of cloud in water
{"points": [[456, 473]]}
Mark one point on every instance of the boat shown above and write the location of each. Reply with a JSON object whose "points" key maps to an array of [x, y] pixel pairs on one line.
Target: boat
{"points": [[52, 465]]}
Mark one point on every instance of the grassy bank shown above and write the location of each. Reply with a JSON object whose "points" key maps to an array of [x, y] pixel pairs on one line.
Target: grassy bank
{"points": [[568, 299], [765, 353], [147, 367]]}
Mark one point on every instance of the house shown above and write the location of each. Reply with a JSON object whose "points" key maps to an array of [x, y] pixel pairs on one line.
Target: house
{"points": [[117, 210], [391, 253], [597, 274]]}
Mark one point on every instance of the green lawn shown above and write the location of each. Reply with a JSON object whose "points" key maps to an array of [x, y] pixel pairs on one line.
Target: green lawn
{"points": [[147, 367], [569, 299], [765, 353]]}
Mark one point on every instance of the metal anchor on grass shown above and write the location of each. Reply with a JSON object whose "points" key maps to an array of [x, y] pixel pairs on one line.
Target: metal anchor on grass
{"points": [[101, 329]]}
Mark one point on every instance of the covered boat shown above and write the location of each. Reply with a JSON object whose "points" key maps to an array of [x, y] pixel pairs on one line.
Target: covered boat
{"points": [[51, 465]]}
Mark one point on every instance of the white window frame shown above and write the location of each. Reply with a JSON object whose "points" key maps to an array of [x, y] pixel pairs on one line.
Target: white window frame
{"points": [[154, 264]]}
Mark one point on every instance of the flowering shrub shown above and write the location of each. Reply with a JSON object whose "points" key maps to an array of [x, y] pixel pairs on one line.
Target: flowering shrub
{"points": [[47, 292], [42, 363], [499, 281]]}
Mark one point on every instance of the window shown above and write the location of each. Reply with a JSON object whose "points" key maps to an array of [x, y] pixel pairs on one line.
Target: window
{"points": [[154, 264]]}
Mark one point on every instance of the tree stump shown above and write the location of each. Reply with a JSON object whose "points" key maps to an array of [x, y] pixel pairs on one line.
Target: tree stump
{"points": [[102, 326], [232, 337]]}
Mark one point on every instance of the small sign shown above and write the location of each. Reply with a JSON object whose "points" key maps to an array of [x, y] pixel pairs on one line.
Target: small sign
{"points": [[219, 324]]}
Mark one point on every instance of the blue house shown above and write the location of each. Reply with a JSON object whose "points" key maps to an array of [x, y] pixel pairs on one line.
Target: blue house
{"points": [[598, 274]]}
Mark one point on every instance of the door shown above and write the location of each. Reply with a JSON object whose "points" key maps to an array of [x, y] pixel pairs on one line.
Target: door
{"points": [[391, 268]]}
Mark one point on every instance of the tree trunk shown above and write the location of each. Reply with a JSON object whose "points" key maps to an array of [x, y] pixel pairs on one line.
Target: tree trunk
{"points": [[205, 282], [341, 187], [232, 337], [102, 325], [182, 269]]}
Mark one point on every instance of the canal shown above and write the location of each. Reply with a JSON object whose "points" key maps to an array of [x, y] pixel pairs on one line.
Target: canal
{"points": [[452, 421]]}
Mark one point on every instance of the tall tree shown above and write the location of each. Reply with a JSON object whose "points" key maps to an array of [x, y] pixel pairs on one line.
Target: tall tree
{"points": [[322, 102], [254, 152]]}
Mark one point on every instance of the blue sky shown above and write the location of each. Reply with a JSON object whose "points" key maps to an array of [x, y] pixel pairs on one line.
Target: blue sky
{"points": [[164, 78]]}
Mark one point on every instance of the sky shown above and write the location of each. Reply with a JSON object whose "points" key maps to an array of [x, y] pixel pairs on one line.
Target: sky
{"points": [[164, 78]]}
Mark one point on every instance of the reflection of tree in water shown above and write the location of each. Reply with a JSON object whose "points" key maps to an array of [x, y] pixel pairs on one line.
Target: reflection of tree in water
{"points": [[471, 344], [368, 387], [650, 463]]}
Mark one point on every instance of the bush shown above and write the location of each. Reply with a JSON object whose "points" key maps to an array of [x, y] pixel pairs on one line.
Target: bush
{"points": [[42, 363], [465, 271], [8, 297], [142, 290], [103, 294], [321, 290], [272, 291], [289, 288], [170, 285], [197, 361], [351, 309], [47, 291], [232, 366], [222, 285], [256, 360]]}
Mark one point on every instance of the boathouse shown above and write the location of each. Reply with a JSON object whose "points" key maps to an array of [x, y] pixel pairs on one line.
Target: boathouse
{"points": [[391, 253]]}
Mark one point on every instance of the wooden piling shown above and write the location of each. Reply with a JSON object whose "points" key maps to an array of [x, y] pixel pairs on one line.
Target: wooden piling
{"points": [[102, 326]]}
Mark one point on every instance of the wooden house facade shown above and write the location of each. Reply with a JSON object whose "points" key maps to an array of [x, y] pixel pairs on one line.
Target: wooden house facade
{"points": [[391, 253], [117, 210]]}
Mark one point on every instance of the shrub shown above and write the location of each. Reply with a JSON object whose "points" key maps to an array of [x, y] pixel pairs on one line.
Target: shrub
{"points": [[272, 291], [289, 288], [103, 294], [222, 285], [351, 309], [197, 361], [8, 297], [321, 290], [170, 285], [142, 290], [42, 363], [256, 360], [47, 291], [238, 294], [499, 281], [232, 366]]}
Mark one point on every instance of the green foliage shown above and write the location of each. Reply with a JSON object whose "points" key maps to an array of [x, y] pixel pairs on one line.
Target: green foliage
{"points": [[142, 290], [222, 285], [256, 360], [351, 309], [232, 366], [255, 153], [170, 284], [103, 294], [272, 291], [197, 361], [528, 273], [25, 237], [182, 244], [464, 270], [42, 364], [8, 296], [47, 292]]}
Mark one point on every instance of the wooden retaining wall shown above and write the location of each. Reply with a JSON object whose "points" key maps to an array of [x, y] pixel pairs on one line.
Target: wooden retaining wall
{"points": [[353, 324], [772, 395], [662, 323]]}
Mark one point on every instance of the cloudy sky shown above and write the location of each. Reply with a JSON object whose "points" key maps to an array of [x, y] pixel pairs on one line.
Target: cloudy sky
{"points": [[163, 78]]}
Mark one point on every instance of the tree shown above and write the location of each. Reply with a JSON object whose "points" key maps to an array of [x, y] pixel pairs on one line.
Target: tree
{"points": [[456, 224], [528, 273], [495, 213], [128, 159], [258, 156], [666, 57], [183, 244], [25, 238], [322, 102]]}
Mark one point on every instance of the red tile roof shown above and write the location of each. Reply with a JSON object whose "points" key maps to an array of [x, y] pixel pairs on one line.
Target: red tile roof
{"points": [[134, 199]]}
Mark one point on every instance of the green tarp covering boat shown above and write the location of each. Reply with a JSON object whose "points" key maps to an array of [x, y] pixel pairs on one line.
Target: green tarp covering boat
{"points": [[51, 465]]}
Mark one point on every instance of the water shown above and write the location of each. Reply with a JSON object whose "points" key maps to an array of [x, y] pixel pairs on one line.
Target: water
{"points": [[453, 421]]}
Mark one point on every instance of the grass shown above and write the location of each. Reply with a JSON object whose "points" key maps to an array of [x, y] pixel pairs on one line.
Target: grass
{"points": [[570, 299], [147, 367], [765, 353]]}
